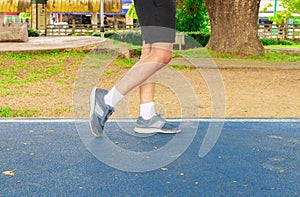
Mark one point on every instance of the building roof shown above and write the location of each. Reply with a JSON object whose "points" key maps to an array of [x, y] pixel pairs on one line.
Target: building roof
{"points": [[14, 5], [62, 5], [83, 6]]}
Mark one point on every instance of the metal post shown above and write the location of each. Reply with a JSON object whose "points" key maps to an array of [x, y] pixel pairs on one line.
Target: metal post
{"points": [[275, 7], [36, 16], [102, 18]]}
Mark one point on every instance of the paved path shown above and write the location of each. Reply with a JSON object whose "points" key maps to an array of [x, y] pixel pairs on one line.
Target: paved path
{"points": [[254, 157], [50, 43]]}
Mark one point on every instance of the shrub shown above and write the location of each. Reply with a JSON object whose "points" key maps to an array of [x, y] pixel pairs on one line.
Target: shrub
{"points": [[276, 42], [197, 39], [106, 34], [269, 41], [33, 33], [132, 37], [192, 39], [286, 42], [97, 34], [77, 34]]}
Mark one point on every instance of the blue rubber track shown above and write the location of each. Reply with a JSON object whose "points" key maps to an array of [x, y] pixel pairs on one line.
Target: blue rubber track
{"points": [[253, 157]]}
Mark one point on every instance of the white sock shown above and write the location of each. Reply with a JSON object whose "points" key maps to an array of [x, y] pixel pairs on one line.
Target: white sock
{"points": [[147, 110], [113, 97]]}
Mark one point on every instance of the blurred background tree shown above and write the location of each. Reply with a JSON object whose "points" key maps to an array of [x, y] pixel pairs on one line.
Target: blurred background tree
{"points": [[291, 7], [131, 13], [191, 16], [234, 27]]}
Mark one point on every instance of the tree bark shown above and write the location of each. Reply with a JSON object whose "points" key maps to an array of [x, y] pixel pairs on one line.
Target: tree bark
{"points": [[234, 26]]}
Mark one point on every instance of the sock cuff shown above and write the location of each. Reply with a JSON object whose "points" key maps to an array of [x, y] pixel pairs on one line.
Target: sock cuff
{"points": [[149, 104], [147, 110], [113, 97]]}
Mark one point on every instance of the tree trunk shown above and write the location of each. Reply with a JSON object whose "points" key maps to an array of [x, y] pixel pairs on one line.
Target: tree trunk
{"points": [[234, 26]]}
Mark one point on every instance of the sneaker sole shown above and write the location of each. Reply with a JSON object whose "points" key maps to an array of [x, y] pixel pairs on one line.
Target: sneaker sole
{"points": [[154, 130], [92, 107]]}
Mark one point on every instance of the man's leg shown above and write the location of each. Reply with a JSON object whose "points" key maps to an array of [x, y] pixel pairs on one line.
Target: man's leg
{"points": [[159, 56], [157, 20], [150, 122], [147, 108], [147, 90], [148, 87]]}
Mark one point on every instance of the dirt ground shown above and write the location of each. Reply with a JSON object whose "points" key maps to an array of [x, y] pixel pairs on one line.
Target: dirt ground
{"points": [[247, 92], [233, 90]]}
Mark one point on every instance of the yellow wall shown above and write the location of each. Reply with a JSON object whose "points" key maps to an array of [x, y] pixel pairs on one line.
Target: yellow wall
{"points": [[14, 5], [83, 5], [63, 5]]}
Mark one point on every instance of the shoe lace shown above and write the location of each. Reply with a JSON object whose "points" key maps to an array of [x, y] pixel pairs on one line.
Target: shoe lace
{"points": [[106, 115], [160, 114]]}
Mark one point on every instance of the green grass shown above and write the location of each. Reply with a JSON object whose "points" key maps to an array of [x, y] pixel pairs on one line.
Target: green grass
{"points": [[278, 56], [96, 60], [8, 112], [124, 63], [269, 55], [176, 54], [132, 46], [116, 41], [18, 56], [194, 53], [22, 69], [296, 46], [181, 67], [62, 109], [4, 92], [109, 73]]}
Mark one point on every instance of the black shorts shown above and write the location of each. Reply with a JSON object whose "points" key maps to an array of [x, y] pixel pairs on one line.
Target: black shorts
{"points": [[157, 19]]}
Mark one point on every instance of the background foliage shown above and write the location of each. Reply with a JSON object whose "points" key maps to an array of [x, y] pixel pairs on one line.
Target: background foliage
{"points": [[192, 16]]}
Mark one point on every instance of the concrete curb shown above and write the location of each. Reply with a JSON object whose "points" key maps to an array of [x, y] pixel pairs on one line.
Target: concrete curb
{"points": [[51, 43]]}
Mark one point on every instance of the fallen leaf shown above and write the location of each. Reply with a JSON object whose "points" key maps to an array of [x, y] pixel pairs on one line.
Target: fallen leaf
{"points": [[49, 131], [164, 169], [28, 153], [9, 172]]}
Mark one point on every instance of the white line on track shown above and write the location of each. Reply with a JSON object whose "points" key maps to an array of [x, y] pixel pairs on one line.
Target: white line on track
{"points": [[70, 120]]}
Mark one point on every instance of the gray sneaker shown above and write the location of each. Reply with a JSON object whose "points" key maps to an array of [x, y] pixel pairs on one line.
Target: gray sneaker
{"points": [[99, 112], [155, 125]]}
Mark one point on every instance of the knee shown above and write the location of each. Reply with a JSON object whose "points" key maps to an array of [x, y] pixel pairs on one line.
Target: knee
{"points": [[167, 58], [163, 57]]}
